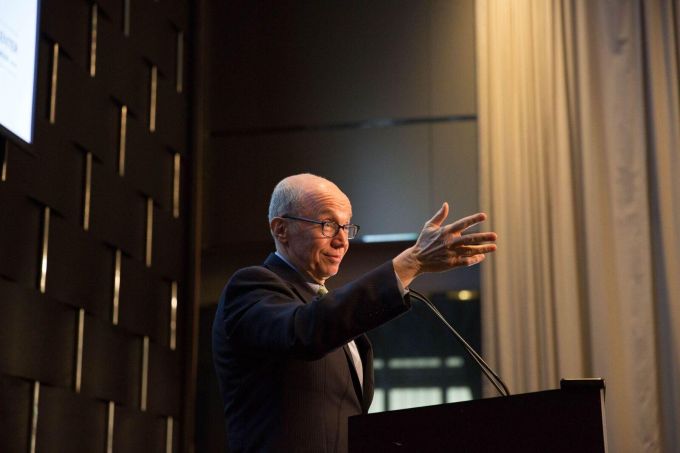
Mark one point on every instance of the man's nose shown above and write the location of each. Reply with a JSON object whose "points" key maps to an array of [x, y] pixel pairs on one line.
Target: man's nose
{"points": [[340, 239]]}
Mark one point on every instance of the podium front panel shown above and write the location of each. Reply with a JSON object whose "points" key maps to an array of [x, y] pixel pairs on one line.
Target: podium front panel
{"points": [[553, 421]]}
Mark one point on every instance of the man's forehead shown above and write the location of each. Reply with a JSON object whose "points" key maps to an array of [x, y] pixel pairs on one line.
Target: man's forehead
{"points": [[327, 202], [333, 212]]}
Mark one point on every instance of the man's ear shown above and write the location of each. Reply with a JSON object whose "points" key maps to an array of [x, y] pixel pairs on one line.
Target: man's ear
{"points": [[279, 229]]}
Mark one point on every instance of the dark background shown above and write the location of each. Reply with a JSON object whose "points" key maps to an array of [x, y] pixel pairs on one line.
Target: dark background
{"points": [[161, 129]]}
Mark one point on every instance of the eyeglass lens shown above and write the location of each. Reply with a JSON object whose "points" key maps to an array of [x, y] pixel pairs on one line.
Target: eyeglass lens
{"points": [[330, 229]]}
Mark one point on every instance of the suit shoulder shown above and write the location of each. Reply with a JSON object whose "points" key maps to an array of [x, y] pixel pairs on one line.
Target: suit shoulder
{"points": [[254, 274], [255, 280]]}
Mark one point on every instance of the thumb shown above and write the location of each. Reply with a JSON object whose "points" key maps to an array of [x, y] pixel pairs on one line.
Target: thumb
{"points": [[439, 217]]}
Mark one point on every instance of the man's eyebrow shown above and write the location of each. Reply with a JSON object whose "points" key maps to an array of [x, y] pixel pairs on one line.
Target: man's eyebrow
{"points": [[328, 215]]}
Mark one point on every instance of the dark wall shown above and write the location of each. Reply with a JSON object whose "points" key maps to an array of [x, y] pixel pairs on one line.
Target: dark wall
{"points": [[378, 96], [94, 302]]}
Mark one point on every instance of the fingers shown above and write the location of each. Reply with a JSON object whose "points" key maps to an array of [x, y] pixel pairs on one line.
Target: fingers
{"points": [[439, 217], [471, 250], [466, 222], [472, 239], [442, 247], [472, 260]]}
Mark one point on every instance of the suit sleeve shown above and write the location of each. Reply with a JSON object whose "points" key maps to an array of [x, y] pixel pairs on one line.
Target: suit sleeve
{"points": [[259, 312]]}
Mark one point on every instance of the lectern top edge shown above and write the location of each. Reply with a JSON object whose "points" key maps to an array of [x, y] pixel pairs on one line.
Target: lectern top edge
{"points": [[582, 384]]}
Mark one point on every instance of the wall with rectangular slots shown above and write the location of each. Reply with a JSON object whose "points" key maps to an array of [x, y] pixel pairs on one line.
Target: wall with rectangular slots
{"points": [[94, 235]]}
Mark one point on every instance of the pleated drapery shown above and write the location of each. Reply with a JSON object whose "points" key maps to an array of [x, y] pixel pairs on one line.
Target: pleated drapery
{"points": [[579, 124]]}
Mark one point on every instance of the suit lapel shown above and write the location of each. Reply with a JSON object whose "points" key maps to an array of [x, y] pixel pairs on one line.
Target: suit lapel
{"points": [[295, 281], [364, 395], [366, 353], [298, 284], [353, 372]]}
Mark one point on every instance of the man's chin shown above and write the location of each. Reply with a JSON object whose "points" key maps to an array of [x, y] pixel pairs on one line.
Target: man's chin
{"points": [[329, 272]]}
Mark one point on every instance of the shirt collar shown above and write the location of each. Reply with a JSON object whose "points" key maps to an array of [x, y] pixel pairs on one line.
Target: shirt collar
{"points": [[313, 285]]}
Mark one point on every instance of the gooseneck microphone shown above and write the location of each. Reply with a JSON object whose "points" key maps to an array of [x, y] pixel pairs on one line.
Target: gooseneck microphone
{"points": [[486, 369]]}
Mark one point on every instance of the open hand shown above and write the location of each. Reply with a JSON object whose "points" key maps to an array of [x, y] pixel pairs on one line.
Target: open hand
{"points": [[440, 248]]}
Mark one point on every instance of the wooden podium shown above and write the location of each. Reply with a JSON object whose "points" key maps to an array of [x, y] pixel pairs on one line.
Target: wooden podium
{"points": [[570, 419]]}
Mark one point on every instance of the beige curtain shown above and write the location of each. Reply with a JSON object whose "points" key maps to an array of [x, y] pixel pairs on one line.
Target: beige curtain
{"points": [[579, 123]]}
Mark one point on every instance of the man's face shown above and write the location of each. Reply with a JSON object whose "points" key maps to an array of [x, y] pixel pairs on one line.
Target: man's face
{"points": [[308, 249]]}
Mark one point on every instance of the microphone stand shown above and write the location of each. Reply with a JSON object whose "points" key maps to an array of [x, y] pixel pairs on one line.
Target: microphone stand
{"points": [[486, 369]]}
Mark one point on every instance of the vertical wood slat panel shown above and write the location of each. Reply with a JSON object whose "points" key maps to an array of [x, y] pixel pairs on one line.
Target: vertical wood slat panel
{"points": [[171, 125], [169, 435], [164, 380], [35, 413], [4, 153], [52, 175], [153, 97], [37, 335], [178, 13], [117, 274], [80, 339], [148, 255], [74, 221], [143, 399], [89, 116], [149, 164], [168, 261], [54, 78], [179, 63], [121, 69], [138, 432], [87, 191], [176, 184], [72, 33], [126, 17], [113, 11], [20, 240], [155, 36], [80, 268], [15, 411], [44, 246], [112, 361], [94, 18], [122, 139], [70, 422], [43, 75], [143, 301], [174, 302], [85, 114], [118, 212], [110, 425]]}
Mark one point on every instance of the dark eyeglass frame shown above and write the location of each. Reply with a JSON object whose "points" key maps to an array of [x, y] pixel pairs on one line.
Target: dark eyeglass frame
{"points": [[351, 229]]}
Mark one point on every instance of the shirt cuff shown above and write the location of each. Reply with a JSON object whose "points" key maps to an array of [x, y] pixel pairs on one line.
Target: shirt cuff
{"points": [[400, 285]]}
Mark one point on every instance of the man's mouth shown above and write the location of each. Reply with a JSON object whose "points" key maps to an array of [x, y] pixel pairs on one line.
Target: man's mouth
{"points": [[334, 258]]}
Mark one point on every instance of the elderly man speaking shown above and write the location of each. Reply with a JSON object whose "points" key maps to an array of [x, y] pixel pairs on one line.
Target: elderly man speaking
{"points": [[292, 359]]}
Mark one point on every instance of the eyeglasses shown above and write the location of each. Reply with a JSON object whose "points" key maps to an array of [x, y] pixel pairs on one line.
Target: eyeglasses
{"points": [[329, 228]]}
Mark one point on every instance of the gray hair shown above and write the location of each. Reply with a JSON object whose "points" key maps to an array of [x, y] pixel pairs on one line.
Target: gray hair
{"points": [[286, 197]]}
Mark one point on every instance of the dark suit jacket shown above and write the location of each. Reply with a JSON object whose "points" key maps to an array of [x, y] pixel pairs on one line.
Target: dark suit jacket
{"points": [[285, 373]]}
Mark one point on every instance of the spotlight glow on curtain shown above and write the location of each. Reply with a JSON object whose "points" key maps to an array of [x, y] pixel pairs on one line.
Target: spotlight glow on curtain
{"points": [[579, 119]]}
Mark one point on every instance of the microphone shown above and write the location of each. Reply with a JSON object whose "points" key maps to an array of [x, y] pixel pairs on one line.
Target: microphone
{"points": [[486, 369]]}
